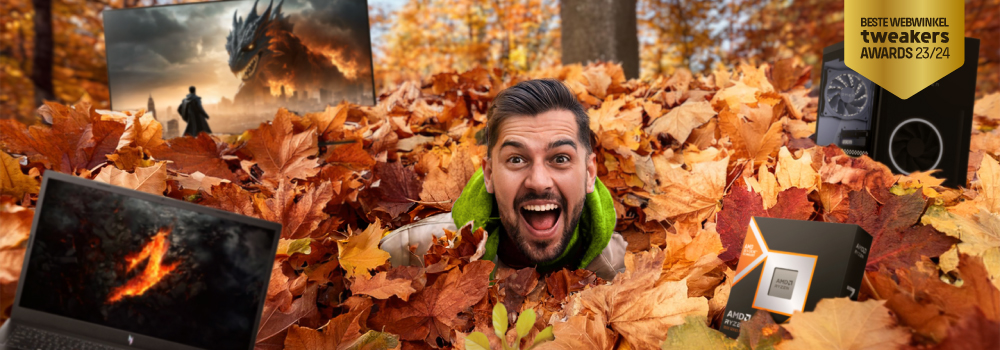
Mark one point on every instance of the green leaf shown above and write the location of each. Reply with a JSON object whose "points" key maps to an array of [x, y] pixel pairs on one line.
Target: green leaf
{"points": [[544, 336], [477, 341], [694, 334], [373, 340], [525, 322], [500, 320]]}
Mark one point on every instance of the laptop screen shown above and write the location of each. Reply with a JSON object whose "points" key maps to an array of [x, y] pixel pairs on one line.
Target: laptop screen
{"points": [[147, 266]]}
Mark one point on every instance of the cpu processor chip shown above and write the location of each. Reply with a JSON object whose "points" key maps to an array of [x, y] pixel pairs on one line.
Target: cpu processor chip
{"points": [[782, 283]]}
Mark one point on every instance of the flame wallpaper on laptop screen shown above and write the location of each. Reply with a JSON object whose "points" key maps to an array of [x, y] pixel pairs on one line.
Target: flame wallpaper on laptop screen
{"points": [[246, 59], [147, 268]]}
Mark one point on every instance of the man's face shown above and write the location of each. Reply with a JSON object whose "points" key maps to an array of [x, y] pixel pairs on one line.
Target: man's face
{"points": [[540, 174]]}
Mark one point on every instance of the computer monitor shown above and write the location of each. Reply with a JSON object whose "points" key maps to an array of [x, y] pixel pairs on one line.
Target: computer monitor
{"points": [[245, 59], [122, 265]]}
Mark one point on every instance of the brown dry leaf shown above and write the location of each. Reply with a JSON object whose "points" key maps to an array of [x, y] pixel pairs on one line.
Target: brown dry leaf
{"points": [[439, 308], [735, 96], [77, 139], [231, 197], [752, 133], [988, 106], [979, 235], [989, 184], [196, 154], [799, 128], [337, 334], [199, 182], [691, 258], [130, 157], [636, 306], [299, 215], [843, 324], [580, 332], [360, 252], [767, 185], [929, 305], [381, 287], [280, 154], [681, 120], [13, 182], [682, 191], [150, 179], [442, 187], [281, 313], [792, 172], [141, 131]]}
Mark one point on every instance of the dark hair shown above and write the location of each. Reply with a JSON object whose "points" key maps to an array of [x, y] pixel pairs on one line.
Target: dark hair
{"points": [[531, 98], [191, 89]]}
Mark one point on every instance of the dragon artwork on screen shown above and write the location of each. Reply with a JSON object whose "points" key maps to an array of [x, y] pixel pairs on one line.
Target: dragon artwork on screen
{"points": [[224, 67], [264, 52]]}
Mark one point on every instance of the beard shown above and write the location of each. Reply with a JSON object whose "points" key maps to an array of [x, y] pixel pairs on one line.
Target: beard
{"points": [[539, 252]]}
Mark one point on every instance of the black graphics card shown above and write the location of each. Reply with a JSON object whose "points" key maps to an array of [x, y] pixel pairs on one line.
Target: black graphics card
{"points": [[930, 130]]}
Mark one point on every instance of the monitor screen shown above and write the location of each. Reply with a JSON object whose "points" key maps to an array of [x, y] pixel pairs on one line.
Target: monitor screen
{"points": [[147, 267], [244, 59]]}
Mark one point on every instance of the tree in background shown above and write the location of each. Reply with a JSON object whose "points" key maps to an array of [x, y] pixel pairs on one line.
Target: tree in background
{"points": [[59, 59], [433, 36], [676, 33]]}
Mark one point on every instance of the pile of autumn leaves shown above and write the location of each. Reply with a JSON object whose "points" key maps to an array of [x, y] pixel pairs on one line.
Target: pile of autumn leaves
{"points": [[689, 159]]}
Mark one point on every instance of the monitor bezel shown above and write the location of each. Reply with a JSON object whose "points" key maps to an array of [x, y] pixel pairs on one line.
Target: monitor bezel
{"points": [[87, 330]]}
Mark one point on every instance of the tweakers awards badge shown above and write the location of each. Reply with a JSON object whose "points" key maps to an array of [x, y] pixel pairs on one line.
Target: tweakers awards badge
{"points": [[904, 46]]}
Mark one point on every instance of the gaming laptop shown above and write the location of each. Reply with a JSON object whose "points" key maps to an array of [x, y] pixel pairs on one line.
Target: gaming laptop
{"points": [[112, 268]]}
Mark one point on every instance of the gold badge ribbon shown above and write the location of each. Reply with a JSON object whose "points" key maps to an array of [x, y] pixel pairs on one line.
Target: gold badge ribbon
{"points": [[904, 46]]}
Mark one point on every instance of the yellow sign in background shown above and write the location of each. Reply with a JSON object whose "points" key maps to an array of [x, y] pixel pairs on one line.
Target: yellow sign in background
{"points": [[910, 43]]}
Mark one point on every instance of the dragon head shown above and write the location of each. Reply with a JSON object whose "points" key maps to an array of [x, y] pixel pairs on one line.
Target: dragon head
{"points": [[248, 40]]}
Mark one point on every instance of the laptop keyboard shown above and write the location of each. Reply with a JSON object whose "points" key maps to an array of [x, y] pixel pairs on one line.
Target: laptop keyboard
{"points": [[28, 338]]}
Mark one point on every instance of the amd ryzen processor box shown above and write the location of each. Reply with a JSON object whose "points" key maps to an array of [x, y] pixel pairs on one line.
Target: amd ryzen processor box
{"points": [[789, 265]]}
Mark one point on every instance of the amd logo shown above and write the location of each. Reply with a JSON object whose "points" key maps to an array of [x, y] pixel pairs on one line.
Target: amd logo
{"points": [[738, 315]]}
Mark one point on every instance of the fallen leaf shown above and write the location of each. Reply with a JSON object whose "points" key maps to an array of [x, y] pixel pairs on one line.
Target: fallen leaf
{"points": [[844, 324], [299, 215], [792, 172], [282, 154], [681, 120], [635, 306], [381, 287], [738, 206], [150, 179], [682, 191], [580, 332], [141, 131], [437, 309], [13, 182], [196, 154], [360, 252], [338, 333]]}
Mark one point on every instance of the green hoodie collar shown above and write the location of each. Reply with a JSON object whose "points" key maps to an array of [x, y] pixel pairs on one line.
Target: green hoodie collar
{"points": [[594, 231]]}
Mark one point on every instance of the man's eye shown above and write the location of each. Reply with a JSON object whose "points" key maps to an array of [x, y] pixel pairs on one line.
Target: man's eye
{"points": [[515, 160], [561, 159]]}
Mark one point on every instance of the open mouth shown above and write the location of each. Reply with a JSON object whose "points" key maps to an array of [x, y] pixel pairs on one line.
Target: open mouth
{"points": [[541, 219], [250, 68]]}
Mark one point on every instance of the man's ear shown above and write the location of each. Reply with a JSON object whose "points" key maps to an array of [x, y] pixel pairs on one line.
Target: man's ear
{"points": [[488, 174], [591, 172]]}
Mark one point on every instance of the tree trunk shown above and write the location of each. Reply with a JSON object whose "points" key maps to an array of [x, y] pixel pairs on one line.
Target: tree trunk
{"points": [[600, 30], [41, 67]]}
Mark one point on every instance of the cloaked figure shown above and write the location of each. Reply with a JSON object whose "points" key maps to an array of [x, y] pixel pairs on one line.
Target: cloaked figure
{"points": [[193, 114]]}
